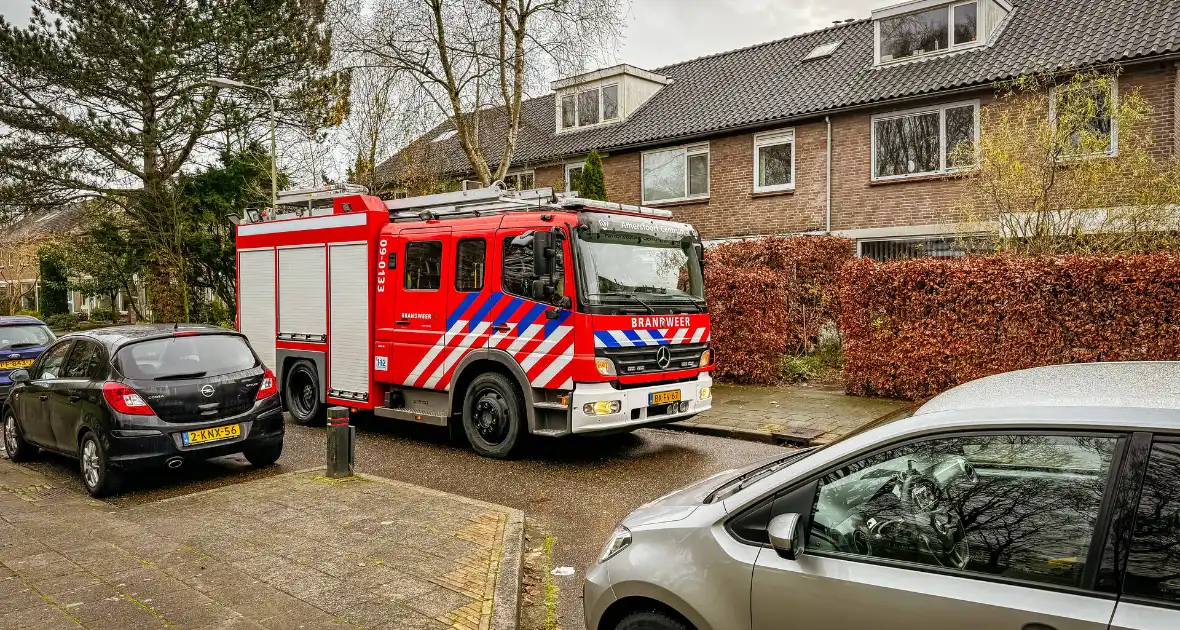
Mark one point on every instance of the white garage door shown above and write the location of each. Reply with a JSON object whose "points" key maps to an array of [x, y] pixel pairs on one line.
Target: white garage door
{"points": [[303, 292], [256, 301], [348, 362]]}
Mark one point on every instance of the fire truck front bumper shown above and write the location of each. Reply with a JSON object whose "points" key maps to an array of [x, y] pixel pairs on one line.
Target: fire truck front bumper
{"points": [[600, 407]]}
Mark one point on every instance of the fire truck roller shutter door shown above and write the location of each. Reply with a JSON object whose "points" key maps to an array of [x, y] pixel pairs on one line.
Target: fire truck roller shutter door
{"points": [[303, 309], [256, 301], [349, 343]]}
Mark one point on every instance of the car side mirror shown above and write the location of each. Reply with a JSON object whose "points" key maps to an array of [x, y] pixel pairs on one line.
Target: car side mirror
{"points": [[785, 536], [19, 376]]}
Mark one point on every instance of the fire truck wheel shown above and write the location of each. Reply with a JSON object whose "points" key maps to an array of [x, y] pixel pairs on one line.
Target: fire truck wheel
{"points": [[301, 394], [493, 416]]}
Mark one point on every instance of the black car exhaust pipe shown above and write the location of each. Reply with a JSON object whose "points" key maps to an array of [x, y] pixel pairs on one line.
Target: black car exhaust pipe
{"points": [[175, 462]]}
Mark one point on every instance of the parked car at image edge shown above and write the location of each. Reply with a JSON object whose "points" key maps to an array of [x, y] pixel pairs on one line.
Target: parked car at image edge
{"points": [[22, 339], [136, 397], [1043, 499]]}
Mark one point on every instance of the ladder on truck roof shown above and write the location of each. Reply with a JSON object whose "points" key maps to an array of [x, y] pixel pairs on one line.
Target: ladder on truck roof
{"points": [[494, 199]]}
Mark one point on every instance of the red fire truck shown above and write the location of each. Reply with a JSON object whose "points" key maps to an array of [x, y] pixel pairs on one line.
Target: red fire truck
{"points": [[489, 311]]}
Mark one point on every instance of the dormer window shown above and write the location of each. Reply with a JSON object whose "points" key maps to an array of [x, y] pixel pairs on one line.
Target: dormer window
{"points": [[603, 96], [930, 27], [590, 107]]}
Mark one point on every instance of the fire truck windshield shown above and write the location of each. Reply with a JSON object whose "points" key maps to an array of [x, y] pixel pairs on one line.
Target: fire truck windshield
{"points": [[625, 267]]}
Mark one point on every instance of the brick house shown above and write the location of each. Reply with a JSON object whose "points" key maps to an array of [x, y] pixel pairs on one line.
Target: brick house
{"points": [[842, 130]]}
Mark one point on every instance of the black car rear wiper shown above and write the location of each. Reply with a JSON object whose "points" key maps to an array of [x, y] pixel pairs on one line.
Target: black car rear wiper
{"points": [[176, 377], [23, 344]]}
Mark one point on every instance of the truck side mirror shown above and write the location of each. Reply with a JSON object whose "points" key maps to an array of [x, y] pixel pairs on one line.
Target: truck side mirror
{"points": [[544, 252]]}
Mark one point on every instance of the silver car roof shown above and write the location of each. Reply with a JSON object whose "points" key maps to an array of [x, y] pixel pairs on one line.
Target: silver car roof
{"points": [[1132, 384]]}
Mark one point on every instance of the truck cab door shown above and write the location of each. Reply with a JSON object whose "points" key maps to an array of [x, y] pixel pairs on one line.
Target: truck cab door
{"points": [[421, 269]]}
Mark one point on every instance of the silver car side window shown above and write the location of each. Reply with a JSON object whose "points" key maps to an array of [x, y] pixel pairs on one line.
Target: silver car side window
{"points": [[1018, 506], [1153, 565]]}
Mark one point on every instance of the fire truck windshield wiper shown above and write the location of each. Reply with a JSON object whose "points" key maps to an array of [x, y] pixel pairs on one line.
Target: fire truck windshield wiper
{"points": [[691, 300], [633, 296]]}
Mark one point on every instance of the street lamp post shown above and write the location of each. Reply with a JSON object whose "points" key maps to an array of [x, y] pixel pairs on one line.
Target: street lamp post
{"points": [[222, 82]]}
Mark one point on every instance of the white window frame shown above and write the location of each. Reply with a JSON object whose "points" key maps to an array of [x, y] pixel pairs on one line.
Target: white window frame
{"points": [[941, 110], [1114, 121], [771, 139], [575, 92], [689, 150], [517, 173], [980, 35], [570, 167]]}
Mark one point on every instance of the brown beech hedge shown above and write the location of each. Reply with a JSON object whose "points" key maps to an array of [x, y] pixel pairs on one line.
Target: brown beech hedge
{"points": [[769, 296], [918, 327]]}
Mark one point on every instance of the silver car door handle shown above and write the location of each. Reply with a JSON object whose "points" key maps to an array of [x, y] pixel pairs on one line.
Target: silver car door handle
{"points": [[1036, 626], [44, 397]]}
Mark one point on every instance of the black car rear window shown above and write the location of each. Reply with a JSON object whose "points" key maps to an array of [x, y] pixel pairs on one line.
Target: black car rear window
{"points": [[24, 336], [192, 356]]}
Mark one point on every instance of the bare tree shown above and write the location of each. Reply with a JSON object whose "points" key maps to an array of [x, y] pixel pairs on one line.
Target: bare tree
{"points": [[476, 60], [386, 114]]}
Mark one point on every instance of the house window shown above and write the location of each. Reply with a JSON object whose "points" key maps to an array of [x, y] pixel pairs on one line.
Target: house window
{"points": [[522, 180], [569, 115], [925, 32], [573, 177], [925, 141], [774, 161], [610, 102], [590, 107], [676, 174], [1090, 127]]}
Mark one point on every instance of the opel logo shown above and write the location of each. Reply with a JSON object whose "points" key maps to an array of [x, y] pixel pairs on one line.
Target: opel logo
{"points": [[207, 391], [663, 357]]}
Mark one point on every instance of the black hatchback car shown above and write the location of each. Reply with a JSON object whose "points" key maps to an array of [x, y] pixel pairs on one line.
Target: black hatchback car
{"points": [[134, 397]]}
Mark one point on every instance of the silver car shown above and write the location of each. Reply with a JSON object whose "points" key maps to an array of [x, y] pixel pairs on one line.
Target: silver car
{"points": [[1036, 500]]}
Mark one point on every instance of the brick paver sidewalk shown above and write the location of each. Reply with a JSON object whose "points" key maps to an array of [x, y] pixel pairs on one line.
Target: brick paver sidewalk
{"points": [[792, 414], [286, 552]]}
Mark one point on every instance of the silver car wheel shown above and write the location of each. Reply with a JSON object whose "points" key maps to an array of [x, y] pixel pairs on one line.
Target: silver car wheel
{"points": [[90, 463], [10, 433]]}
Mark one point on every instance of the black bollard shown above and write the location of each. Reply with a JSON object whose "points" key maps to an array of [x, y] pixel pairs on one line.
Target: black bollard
{"points": [[340, 439]]}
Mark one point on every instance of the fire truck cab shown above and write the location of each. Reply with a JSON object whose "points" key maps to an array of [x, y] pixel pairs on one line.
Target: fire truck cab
{"points": [[494, 312]]}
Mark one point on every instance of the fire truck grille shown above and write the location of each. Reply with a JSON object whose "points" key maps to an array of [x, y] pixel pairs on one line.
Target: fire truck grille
{"points": [[643, 359]]}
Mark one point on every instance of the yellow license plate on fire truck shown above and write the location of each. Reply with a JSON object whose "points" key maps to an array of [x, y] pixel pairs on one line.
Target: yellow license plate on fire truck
{"points": [[212, 435], [659, 398], [12, 365]]}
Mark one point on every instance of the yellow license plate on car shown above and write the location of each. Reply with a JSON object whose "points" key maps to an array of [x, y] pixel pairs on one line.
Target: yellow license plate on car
{"points": [[212, 435], [12, 365], [659, 398]]}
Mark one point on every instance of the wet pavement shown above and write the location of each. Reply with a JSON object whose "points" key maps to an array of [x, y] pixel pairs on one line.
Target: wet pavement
{"points": [[577, 489]]}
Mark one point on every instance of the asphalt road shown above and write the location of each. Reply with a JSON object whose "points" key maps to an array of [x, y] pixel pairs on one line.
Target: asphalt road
{"points": [[577, 489]]}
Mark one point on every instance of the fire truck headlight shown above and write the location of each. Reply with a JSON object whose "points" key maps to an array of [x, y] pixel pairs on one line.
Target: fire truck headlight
{"points": [[602, 407], [605, 367], [705, 357]]}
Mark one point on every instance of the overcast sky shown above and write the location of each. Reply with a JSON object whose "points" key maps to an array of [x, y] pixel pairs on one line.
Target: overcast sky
{"points": [[660, 32]]}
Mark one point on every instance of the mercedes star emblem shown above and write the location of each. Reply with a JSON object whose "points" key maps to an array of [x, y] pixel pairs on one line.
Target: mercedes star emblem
{"points": [[207, 391], [663, 357]]}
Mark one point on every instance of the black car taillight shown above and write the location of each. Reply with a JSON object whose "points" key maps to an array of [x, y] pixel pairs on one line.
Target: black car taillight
{"points": [[125, 400], [269, 387]]}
